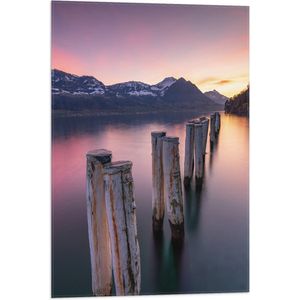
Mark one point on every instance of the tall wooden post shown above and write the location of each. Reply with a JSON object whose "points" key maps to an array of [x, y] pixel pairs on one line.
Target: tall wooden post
{"points": [[172, 186], [158, 203], [205, 124], [121, 214], [199, 162], [189, 153], [217, 127], [100, 251], [212, 132]]}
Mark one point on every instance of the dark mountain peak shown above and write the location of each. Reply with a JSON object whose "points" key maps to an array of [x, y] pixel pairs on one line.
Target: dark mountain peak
{"points": [[217, 97], [185, 91], [185, 85], [181, 79]]}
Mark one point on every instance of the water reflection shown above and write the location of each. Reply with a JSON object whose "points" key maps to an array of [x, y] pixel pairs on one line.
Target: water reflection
{"points": [[213, 147], [214, 256], [167, 262], [192, 200]]}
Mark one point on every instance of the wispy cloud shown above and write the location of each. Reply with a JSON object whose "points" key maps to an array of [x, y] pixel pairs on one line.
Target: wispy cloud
{"points": [[224, 81], [214, 81], [207, 80]]}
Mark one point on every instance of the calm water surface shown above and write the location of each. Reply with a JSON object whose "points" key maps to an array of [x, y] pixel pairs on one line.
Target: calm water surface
{"points": [[214, 256]]}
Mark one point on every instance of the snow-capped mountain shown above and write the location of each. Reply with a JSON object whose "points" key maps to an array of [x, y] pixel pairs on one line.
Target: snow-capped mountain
{"points": [[78, 94], [130, 88], [163, 86], [65, 83], [216, 97]]}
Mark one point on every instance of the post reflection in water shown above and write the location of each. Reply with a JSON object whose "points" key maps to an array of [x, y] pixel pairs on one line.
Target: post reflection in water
{"points": [[168, 254], [193, 201], [214, 254], [213, 146]]}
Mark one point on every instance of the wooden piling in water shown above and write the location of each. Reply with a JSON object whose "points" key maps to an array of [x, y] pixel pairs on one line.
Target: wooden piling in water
{"points": [[205, 124], [199, 160], [158, 203], [189, 153], [99, 241], [217, 126], [212, 132], [121, 215], [173, 187]]}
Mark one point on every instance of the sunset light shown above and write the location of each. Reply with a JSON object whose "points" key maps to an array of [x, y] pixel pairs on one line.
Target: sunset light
{"points": [[114, 42]]}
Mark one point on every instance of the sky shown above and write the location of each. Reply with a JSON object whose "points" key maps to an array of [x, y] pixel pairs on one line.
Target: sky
{"points": [[118, 42]]}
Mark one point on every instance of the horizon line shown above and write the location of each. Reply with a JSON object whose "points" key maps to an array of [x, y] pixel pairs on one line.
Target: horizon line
{"points": [[53, 69]]}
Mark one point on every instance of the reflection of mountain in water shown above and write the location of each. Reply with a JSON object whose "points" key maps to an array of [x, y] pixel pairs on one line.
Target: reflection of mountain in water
{"points": [[64, 126]]}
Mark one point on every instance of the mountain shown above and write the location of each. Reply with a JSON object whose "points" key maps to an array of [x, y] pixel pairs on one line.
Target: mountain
{"points": [[238, 104], [184, 94], [65, 83], [86, 94], [216, 97], [164, 85]]}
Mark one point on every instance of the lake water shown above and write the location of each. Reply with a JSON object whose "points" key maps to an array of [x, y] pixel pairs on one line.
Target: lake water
{"points": [[214, 256]]}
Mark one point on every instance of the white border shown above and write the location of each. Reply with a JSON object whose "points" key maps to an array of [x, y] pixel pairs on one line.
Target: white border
{"points": [[25, 150]]}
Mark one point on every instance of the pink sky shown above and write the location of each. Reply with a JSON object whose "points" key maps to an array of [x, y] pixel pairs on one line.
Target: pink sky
{"points": [[114, 42]]}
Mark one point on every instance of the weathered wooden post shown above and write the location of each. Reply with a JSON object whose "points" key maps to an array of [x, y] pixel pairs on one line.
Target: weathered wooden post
{"points": [[121, 215], [189, 153], [172, 186], [205, 124], [158, 203], [199, 161], [217, 126], [212, 128], [100, 251]]}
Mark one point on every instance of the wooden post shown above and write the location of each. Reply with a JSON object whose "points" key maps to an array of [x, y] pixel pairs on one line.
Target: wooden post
{"points": [[121, 214], [205, 124], [100, 252], [217, 128], [158, 203], [212, 128], [199, 162], [189, 153], [172, 186]]}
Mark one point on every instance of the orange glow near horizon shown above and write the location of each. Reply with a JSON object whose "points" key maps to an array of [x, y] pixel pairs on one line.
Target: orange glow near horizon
{"points": [[207, 45]]}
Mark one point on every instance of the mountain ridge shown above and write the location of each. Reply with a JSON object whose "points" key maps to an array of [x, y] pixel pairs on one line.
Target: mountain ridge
{"points": [[217, 97], [71, 92], [238, 104]]}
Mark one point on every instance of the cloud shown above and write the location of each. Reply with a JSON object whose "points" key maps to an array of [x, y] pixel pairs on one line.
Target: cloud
{"points": [[224, 81], [207, 80], [214, 81]]}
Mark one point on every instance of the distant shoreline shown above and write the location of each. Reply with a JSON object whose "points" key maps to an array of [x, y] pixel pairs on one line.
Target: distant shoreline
{"points": [[88, 113]]}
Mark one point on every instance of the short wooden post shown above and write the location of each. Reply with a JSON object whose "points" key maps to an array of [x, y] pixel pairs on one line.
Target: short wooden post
{"points": [[205, 124], [121, 214], [189, 153], [100, 251], [158, 203], [212, 132], [172, 186], [199, 162]]}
